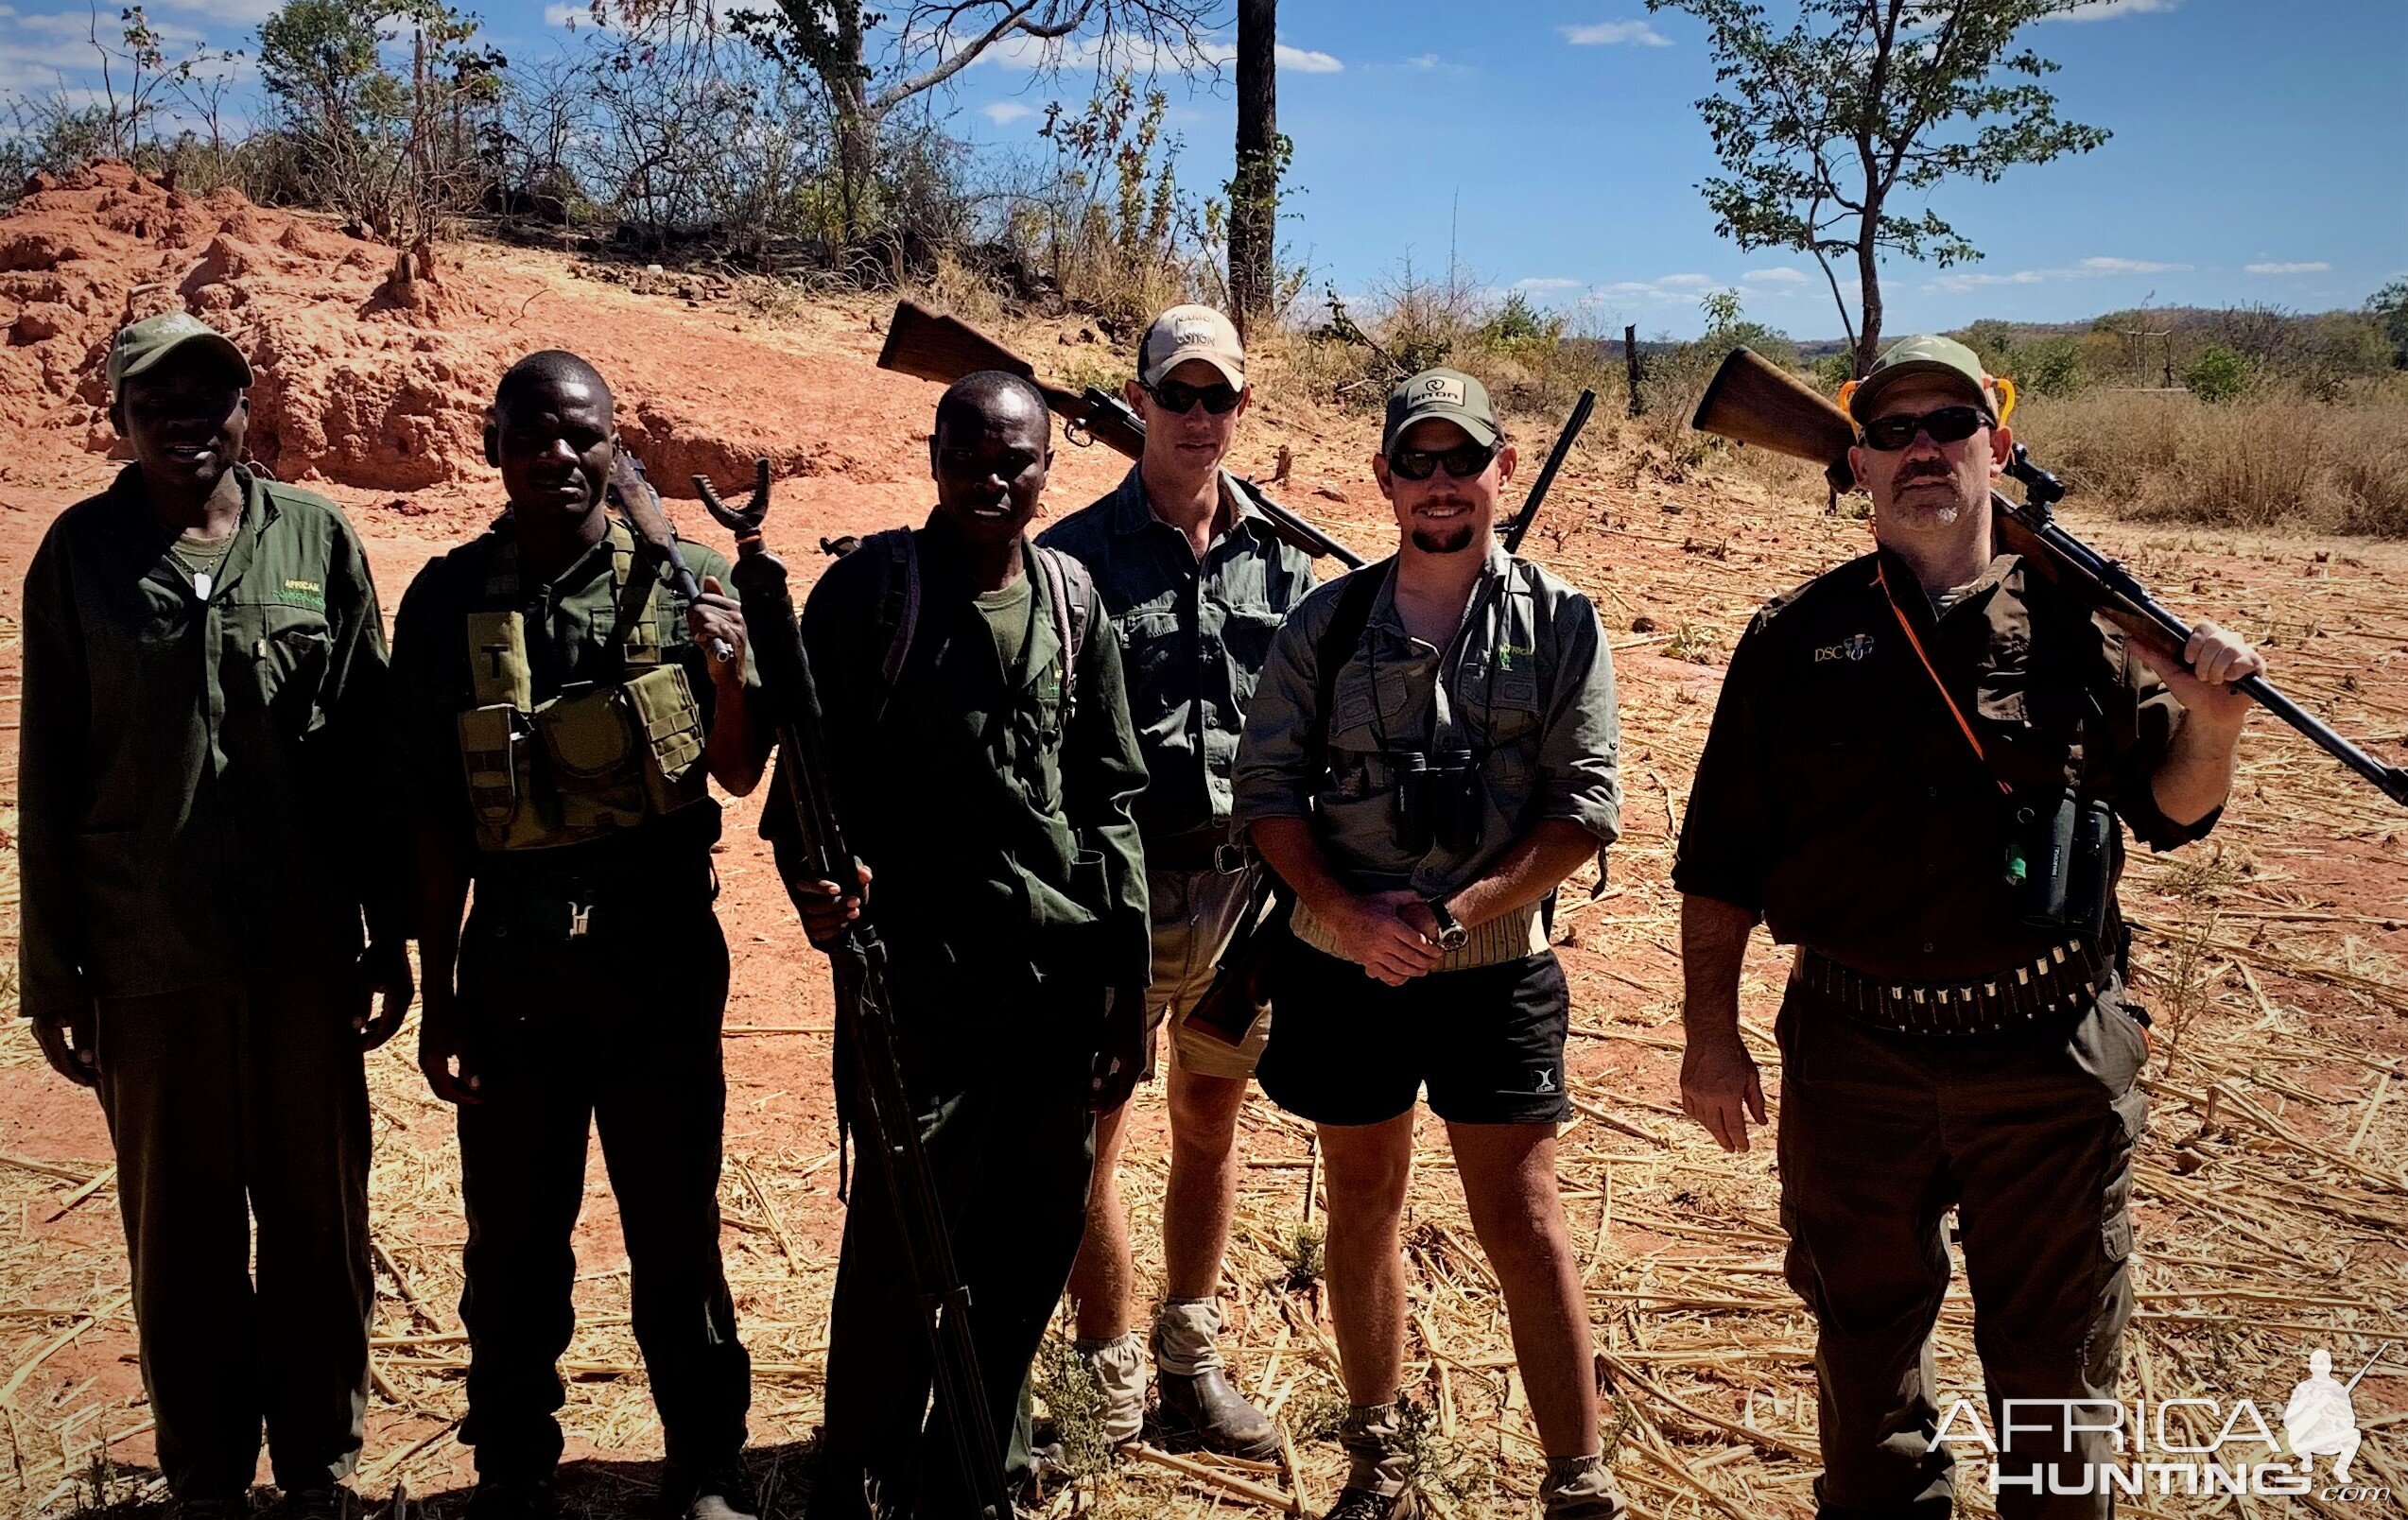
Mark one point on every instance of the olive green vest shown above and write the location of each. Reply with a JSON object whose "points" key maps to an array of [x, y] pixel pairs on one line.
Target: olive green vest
{"points": [[595, 759]]}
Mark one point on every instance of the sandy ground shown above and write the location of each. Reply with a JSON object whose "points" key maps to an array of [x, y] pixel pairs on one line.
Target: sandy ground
{"points": [[2272, 1192]]}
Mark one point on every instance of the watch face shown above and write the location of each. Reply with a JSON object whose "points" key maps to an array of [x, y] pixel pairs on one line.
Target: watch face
{"points": [[1453, 938]]}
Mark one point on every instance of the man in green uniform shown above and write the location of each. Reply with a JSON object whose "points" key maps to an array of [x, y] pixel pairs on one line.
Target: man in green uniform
{"points": [[1901, 749], [1196, 583], [984, 768], [558, 713], [1433, 750], [204, 680]]}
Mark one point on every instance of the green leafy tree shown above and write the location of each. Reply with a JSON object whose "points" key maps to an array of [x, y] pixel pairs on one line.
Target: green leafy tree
{"points": [[2218, 374], [1823, 127], [2389, 306], [2052, 367]]}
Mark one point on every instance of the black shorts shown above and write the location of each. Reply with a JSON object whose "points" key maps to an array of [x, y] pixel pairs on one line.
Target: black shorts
{"points": [[1346, 1049]]}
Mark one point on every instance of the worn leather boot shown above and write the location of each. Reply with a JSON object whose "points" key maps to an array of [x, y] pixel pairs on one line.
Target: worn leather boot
{"points": [[1204, 1406]]}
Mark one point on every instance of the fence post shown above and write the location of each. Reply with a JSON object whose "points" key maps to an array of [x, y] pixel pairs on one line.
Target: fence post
{"points": [[1630, 362]]}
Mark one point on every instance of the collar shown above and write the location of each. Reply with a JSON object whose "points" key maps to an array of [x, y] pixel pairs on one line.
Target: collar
{"points": [[1133, 510], [1907, 588], [1496, 577]]}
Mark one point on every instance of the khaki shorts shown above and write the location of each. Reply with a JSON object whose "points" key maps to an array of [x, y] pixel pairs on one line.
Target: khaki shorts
{"points": [[1194, 914]]}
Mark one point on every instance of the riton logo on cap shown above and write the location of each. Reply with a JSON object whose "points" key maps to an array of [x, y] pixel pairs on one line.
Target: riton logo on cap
{"points": [[1440, 388], [1192, 334]]}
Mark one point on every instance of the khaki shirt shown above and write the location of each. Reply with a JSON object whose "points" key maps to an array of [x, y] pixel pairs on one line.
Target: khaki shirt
{"points": [[1526, 684], [1837, 798], [1193, 638], [569, 622], [197, 778]]}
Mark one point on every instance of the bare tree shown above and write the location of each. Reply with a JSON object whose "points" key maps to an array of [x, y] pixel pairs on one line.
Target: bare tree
{"points": [[1823, 124], [1262, 156]]}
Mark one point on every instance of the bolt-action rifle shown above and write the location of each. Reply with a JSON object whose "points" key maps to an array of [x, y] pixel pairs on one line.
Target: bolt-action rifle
{"points": [[1514, 535], [882, 1116], [1756, 402], [944, 349]]}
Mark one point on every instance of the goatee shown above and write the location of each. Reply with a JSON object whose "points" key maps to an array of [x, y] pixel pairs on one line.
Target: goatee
{"points": [[1442, 541]]}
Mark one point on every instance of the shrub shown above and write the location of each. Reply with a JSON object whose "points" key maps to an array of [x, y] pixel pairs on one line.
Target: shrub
{"points": [[2218, 375], [2052, 367]]}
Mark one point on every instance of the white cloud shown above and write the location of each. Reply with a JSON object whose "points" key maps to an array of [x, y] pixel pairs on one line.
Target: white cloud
{"points": [[1424, 61], [1004, 112], [2110, 9], [2092, 268], [1779, 275], [2317, 267], [1545, 286], [1608, 33], [1304, 60], [559, 15], [240, 12]]}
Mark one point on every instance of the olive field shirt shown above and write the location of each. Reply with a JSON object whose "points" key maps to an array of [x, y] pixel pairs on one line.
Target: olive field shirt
{"points": [[198, 779], [973, 792], [569, 622], [1193, 638], [1838, 798], [1526, 684]]}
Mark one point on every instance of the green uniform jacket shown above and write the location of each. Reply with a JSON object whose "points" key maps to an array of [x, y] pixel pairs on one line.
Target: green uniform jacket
{"points": [[197, 777], [969, 792]]}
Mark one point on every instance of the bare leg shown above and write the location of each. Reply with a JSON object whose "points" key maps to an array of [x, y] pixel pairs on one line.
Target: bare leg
{"points": [[1202, 1192], [1509, 1179], [1099, 1278], [1368, 1165]]}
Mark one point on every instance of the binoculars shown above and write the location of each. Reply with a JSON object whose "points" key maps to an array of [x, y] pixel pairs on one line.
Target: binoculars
{"points": [[2057, 863], [1438, 800]]}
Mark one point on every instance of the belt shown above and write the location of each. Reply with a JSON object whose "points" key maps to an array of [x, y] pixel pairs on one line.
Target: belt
{"points": [[1207, 849], [2061, 980]]}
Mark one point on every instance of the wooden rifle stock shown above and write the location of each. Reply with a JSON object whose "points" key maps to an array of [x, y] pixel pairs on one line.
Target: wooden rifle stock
{"points": [[932, 346], [1756, 402]]}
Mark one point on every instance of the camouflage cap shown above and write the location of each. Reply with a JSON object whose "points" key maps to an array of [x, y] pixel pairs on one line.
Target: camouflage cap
{"points": [[145, 345], [1923, 354], [1449, 395]]}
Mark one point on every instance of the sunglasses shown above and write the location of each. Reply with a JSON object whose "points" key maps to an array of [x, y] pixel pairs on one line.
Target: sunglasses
{"points": [[1950, 425], [1462, 461], [1179, 397]]}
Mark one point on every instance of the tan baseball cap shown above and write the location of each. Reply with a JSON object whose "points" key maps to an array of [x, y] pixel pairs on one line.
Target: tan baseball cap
{"points": [[145, 345], [1184, 333], [1923, 354], [1447, 394]]}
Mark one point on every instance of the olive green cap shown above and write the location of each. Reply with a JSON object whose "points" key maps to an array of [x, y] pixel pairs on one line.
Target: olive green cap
{"points": [[1923, 354], [145, 345], [1450, 395]]}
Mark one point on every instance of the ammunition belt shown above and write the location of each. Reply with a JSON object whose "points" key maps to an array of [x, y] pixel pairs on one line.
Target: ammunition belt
{"points": [[2064, 979]]}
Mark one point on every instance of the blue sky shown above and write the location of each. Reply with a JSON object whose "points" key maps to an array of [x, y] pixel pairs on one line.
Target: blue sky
{"points": [[1553, 144]]}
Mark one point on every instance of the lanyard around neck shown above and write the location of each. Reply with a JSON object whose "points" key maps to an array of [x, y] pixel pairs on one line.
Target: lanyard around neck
{"points": [[1881, 580]]}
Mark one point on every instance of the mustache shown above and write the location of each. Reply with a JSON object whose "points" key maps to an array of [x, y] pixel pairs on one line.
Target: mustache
{"points": [[1915, 475]]}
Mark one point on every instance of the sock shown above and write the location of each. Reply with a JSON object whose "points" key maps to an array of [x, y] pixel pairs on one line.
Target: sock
{"points": [[1119, 1364], [1187, 1336]]}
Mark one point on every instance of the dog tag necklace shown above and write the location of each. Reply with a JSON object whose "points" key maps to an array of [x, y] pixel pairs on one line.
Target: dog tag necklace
{"points": [[201, 558]]}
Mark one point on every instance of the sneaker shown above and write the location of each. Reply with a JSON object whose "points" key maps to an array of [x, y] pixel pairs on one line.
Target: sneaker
{"points": [[1363, 1504], [514, 1498], [1205, 1406], [319, 1501]]}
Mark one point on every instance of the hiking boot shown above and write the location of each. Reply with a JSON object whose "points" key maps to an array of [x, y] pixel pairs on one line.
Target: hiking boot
{"points": [[1365, 1504], [515, 1498], [719, 1492], [1203, 1406], [319, 1501], [214, 1507]]}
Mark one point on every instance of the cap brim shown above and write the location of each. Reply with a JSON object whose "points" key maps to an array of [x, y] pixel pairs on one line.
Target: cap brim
{"points": [[1482, 430], [217, 344], [1230, 373], [1874, 386]]}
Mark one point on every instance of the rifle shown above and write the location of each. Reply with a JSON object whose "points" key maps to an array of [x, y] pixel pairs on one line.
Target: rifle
{"points": [[1756, 402], [653, 529], [932, 346], [1231, 1005], [1529, 514], [864, 1005]]}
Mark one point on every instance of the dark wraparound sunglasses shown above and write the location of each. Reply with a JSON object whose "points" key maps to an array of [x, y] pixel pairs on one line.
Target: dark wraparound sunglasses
{"points": [[1180, 397], [1950, 425], [1462, 461]]}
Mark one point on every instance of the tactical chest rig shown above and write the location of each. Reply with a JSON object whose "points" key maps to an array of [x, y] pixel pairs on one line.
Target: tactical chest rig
{"points": [[595, 759]]}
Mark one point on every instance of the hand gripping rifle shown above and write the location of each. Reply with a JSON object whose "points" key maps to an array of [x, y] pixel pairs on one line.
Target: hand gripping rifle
{"points": [[864, 1006], [1756, 402], [944, 349]]}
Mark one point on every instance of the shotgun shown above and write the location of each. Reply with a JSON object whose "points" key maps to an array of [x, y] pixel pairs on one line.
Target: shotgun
{"points": [[1753, 401], [932, 346], [881, 1115]]}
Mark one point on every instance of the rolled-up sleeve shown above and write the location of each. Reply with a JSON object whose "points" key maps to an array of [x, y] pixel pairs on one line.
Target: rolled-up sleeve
{"points": [[1579, 744], [1727, 840], [1272, 776], [2142, 717]]}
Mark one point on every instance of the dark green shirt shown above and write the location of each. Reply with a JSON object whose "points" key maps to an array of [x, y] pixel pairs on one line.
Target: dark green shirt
{"points": [[197, 792], [1193, 638], [569, 621], [970, 792]]}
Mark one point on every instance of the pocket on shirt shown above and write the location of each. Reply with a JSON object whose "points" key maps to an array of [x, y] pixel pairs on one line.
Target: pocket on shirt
{"points": [[1246, 633], [289, 652], [1148, 642]]}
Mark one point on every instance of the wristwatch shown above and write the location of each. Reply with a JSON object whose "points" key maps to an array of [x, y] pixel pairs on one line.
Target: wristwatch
{"points": [[1451, 934]]}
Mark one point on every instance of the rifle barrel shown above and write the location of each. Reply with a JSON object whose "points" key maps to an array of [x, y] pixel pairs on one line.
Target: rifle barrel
{"points": [[1529, 514]]}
